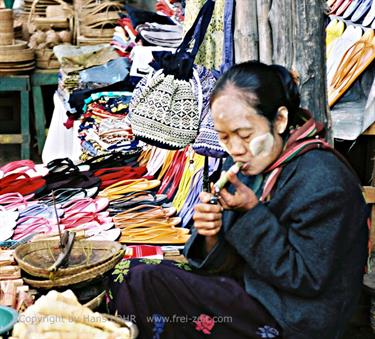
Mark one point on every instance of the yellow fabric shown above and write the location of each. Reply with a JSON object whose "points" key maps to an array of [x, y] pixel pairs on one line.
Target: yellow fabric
{"points": [[166, 164], [144, 157], [210, 53], [186, 181]]}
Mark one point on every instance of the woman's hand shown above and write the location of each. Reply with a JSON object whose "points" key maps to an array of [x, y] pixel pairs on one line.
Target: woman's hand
{"points": [[243, 200], [207, 219]]}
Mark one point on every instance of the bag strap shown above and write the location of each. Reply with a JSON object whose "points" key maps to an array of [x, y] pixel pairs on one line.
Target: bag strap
{"points": [[228, 48], [198, 30]]}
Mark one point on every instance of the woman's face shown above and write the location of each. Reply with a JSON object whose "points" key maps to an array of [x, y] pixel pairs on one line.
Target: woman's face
{"points": [[246, 135]]}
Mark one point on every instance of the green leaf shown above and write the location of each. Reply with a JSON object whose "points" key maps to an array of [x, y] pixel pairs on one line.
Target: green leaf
{"points": [[151, 261]]}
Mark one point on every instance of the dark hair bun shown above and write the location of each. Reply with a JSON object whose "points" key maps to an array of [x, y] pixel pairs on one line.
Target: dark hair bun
{"points": [[290, 84]]}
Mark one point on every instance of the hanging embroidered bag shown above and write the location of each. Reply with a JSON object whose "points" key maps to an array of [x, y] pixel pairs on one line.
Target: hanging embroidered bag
{"points": [[166, 105]]}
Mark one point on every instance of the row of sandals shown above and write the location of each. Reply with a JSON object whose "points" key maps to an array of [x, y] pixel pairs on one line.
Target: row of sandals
{"points": [[139, 198]]}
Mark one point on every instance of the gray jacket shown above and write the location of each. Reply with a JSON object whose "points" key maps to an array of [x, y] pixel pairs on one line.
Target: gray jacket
{"points": [[304, 252]]}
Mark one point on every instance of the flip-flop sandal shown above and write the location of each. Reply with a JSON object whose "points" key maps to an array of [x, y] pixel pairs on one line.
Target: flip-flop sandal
{"points": [[14, 201], [19, 166], [164, 237], [339, 48], [354, 62], [361, 11], [109, 235], [24, 186], [61, 165], [7, 224], [27, 225], [333, 34], [146, 210], [336, 6], [334, 30], [370, 17], [64, 195], [150, 199], [352, 8], [126, 186], [343, 7], [85, 205], [152, 219], [41, 210], [149, 223], [9, 179], [82, 218]]}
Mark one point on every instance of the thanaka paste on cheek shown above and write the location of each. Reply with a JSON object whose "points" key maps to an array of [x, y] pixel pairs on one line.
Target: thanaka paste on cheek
{"points": [[262, 145]]}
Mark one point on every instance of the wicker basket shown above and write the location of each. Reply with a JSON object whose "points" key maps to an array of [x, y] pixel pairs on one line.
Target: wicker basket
{"points": [[6, 17], [95, 20], [96, 302], [45, 59], [36, 257], [84, 275], [6, 27], [98, 30], [36, 21]]}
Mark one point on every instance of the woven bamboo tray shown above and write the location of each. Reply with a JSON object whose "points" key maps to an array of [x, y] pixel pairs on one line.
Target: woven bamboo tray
{"points": [[36, 257], [83, 275], [15, 65], [16, 55], [16, 45], [16, 71]]}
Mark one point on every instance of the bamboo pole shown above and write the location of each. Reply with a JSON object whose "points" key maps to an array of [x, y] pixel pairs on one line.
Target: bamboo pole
{"points": [[264, 29], [246, 39]]}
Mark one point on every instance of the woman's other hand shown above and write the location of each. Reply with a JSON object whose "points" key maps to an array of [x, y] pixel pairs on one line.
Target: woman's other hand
{"points": [[243, 200]]}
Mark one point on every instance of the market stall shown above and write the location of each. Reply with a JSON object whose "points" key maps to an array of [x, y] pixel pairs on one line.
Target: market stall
{"points": [[130, 146]]}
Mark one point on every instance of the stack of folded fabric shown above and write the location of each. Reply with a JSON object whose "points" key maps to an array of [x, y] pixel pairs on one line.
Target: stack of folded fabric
{"points": [[172, 8], [74, 60], [104, 126], [154, 34], [124, 37], [148, 28]]}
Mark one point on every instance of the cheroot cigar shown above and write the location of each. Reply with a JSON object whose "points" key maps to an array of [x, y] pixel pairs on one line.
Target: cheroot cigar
{"points": [[219, 185]]}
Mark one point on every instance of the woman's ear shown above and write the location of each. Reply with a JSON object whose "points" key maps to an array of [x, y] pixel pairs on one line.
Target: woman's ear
{"points": [[281, 121]]}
